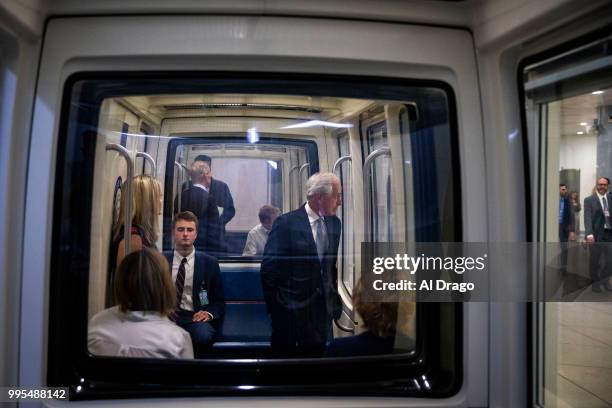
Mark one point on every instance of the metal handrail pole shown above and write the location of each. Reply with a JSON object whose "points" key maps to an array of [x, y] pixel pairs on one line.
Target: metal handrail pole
{"points": [[367, 165], [147, 157], [180, 179], [127, 221], [343, 327], [340, 161], [302, 167]]}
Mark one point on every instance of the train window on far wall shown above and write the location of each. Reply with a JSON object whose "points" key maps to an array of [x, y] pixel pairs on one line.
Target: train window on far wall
{"points": [[189, 247], [568, 112]]}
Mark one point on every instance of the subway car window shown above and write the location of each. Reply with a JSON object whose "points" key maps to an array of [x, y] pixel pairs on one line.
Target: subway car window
{"points": [[225, 219], [568, 107]]}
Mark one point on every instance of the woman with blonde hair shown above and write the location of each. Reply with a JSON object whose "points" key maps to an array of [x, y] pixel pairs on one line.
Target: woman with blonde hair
{"points": [[138, 326], [146, 209]]}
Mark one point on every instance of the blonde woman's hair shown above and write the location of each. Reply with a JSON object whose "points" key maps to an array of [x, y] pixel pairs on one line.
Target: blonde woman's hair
{"points": [[146, 196]]}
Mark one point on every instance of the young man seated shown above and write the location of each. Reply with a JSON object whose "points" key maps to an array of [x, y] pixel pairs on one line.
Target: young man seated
{"points": [[199, 288]]}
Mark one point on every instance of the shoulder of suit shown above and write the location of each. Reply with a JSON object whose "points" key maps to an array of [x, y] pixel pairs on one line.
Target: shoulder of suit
{"points": [[205, 257], [218, 182], [284, 220]]}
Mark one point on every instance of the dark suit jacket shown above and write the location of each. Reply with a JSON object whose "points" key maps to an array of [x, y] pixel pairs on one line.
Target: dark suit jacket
{"points": [[199, 202], [300, 291], [223, 197], [206, 275], [567, 220], [594, 220], [220, 191]]}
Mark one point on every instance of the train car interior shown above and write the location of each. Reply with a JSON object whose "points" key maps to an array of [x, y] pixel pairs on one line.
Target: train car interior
{"points": [[265, 147]]}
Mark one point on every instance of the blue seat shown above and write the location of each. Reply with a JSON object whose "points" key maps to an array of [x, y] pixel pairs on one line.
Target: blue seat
{"points": [[246, 322]]}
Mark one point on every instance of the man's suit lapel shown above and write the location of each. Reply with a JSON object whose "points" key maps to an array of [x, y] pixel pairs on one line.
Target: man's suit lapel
{"points": [[306, 231], [198, 277], [213, 188]]}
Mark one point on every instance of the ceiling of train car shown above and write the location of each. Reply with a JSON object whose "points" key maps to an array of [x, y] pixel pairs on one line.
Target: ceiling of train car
{"points": [[233, 105]]}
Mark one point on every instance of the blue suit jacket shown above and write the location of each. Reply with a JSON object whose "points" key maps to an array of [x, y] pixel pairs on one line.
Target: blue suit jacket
{"points": [[301, 292], [206, 275], [221, 192], [567, 218]]}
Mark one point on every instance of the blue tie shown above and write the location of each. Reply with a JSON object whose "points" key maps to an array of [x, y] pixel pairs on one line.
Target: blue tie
{"points": [[321, 238]]}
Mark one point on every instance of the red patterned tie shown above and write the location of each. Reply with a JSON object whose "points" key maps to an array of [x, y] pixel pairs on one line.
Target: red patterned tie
{"points": [[180, 285]]}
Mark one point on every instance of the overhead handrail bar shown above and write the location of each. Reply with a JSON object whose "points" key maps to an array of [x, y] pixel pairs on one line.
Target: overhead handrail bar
{"points": [[304, 166], [147, 157], [127, 221], [367, 165]]}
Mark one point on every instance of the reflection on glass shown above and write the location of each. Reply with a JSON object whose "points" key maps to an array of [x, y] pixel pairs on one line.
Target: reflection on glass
{"points": [[571, 117], [255, 203]]}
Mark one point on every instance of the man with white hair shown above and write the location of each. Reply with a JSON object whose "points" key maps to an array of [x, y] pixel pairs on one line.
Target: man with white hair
{"points": [[299, 274]]}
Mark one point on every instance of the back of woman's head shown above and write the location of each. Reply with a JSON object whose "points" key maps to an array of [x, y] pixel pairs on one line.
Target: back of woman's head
{"points": [[143, 283], [146, 206], [380, 317]]}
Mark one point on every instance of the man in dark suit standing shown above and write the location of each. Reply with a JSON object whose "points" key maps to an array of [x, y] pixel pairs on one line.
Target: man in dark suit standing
{"points": [[566, 216], [222, 196], [299, 274], [566, 226], [598, 232], [196, 199], [199, 290]]}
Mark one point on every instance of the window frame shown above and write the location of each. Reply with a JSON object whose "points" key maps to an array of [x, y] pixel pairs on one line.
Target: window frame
{"points": [[310, 147], [533, 213], [424, 373]]}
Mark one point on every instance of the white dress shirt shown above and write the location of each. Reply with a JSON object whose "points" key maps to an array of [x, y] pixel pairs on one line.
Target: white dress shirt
{"points": [[312, 218], [601, 202], [186, 299], [201, 186], [137, 334], [256, 241]]}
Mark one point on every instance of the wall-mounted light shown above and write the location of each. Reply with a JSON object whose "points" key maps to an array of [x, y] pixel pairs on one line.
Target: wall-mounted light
{"points": [[583, 124], [252, 135], [312, 123], [580, 133], [597, 92]]}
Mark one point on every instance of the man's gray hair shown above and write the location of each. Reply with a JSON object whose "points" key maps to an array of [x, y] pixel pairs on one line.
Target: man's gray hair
{"points": [[320, 183]]}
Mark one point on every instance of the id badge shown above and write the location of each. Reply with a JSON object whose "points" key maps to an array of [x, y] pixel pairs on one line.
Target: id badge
{"points": [[203, 297]]}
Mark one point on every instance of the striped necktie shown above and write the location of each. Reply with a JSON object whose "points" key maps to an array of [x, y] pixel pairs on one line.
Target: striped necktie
{"points": [[180, 285], [321, 238]]}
